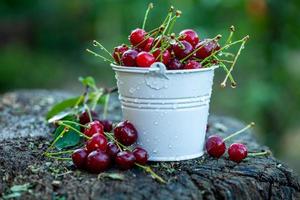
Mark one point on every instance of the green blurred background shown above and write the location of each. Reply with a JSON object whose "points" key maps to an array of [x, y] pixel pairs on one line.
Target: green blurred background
{"points": [[43, 42]]}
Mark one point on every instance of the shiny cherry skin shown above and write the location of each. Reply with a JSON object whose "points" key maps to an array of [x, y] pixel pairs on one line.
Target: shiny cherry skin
{"points": [[107, 124], [137, 37], [125, 133], [145, 59], [129, 57], [112, 149], [98, 161], [192, 64], [125, 160], [79, 158], [97, 142], [84, 117], [237, 152], [190, 36], [141, 155], [148, 45], [183, 50], [118, 52], [175, 64], [164, 57], [206, 49], [215, 146], [93, 128]]}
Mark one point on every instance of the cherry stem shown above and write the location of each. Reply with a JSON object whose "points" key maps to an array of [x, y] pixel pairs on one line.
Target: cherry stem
{"points": [[97, 55], [150, 6], [240, 131], [59, 152], [72, 122], [227, 71], [152, 173], [96, 43], [74, 129], [88, 112], [105, 109], [259, 153], [232, 30], [56, 139], [59, 158]]}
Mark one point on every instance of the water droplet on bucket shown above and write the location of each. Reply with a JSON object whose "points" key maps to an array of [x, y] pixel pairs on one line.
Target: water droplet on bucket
{"points": [[131, 90], [154, 151], [170, 146], [156, 123]]}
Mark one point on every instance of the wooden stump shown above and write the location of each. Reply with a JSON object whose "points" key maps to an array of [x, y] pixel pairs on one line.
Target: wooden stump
{"points": [[24, 136]]}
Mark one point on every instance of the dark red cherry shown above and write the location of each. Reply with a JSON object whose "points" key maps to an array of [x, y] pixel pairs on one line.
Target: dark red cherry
{"points": [[192, 64], [84, 117], [174, 64], [112, 149], [215, 146], [190, 36], [129, 57], [137, 37], [164, 57], [93, 128], [182, 50], [148, 44], [107, 125], [97, 142], [98, 161], [237, 152], [126, 133], [141, 155], [206, 48], [118, 52], [125, 160], [145, 59], [79, 158]]}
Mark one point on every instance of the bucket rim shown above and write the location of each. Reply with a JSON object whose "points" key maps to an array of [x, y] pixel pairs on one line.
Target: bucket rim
{"points": [[146, 70]]}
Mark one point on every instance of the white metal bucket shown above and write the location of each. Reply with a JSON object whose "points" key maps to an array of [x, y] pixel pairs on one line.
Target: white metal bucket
{"points": [[169, 108]]}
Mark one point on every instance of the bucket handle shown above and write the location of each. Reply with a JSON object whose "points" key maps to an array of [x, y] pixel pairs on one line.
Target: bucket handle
{"points": [[159, 69]]}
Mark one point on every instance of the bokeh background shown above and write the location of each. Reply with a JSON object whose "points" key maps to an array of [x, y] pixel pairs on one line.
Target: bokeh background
{"points": [[43, 42]]}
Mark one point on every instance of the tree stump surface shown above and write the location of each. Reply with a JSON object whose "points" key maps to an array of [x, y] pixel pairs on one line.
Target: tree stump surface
{"points": [[25, 135]]}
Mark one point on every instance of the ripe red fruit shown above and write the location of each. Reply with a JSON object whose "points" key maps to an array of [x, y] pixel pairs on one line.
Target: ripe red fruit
{"points": [[192, 64], [164, 57], [93, 128], [97, 161], [125, 160], [145, 59], [141, 155], [112, 149], [206, 49], [148, 44], [237, 152], [129, 57], [190, 36], [174, 64], [215, 146], [107, 125], [84, 117], [97, 142], [182, 50], [118, 52], [125, 133], [79, 158], [137, 36]]}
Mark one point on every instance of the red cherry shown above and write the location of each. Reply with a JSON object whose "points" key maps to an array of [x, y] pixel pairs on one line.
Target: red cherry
{"points": [[125, 160], [112, 149], [98, 161], [174, 64], [84, 117], [237, 152], [183, 50], [206, 49], [190, 36], [145, 59], [215, 146], [192, 64], [118, 52], [79, 158], [97, 142], [107, 125], [93, 128], [129, 57], [164, 58], [137, 36], [141, 155], [125, 133], [148, 44]]}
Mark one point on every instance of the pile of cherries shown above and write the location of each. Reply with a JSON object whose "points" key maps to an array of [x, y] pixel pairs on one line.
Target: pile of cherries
{"points": [[99, 153], [183, 52]]}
